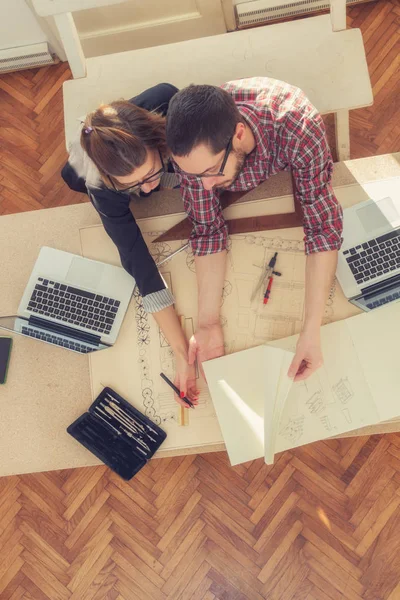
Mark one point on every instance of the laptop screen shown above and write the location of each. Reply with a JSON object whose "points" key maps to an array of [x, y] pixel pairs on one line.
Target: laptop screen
{"points": [[22, 326]]}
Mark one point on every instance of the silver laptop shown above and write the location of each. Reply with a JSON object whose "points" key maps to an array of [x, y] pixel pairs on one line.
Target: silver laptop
{"points": [[72, 302], [369, 260]]}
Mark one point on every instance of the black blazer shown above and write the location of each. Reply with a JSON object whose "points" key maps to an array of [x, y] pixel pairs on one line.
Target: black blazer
{"points": [[81, 175]]}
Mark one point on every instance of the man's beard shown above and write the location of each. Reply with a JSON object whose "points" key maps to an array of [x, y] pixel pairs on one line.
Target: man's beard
{"points": [[240, 160]]}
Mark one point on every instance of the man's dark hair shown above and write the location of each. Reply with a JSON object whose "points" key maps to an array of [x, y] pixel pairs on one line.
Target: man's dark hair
{"points": [[201, 114]]}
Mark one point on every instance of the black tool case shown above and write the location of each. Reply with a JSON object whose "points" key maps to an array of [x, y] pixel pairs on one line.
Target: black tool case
{"points": [[117, 433]]}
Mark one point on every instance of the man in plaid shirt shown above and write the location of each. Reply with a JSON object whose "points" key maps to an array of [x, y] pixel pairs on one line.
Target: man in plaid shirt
{"points": [[235, 137]]}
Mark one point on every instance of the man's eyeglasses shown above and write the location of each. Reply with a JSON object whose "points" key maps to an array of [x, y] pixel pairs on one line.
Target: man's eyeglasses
{"points": [[137, 186], [220, 173]]}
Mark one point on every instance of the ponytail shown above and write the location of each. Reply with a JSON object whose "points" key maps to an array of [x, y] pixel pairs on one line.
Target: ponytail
{"points": [[117, 137]]}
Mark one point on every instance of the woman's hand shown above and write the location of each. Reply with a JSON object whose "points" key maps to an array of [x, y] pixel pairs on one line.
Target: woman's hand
{"points": [[185, 380]]}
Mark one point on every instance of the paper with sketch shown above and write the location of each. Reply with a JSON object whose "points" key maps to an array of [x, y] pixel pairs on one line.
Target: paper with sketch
{"points": [[358, 385], [244, 388], [334, 400]]}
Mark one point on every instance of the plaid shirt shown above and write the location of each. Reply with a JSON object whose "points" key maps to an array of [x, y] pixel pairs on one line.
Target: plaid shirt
{"points": [[289, 134]]}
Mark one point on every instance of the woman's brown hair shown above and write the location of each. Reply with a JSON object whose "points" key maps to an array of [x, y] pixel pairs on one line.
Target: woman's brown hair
{"points": [[118, 135]]}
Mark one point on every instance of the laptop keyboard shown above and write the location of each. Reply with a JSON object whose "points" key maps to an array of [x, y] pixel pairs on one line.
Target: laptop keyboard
{"points": [[73, 306], [384, 300], [374, 258], [53, 339]]}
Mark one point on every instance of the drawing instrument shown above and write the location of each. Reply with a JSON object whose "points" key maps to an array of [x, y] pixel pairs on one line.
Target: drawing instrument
{"points": [[120, 410], [126, 423], [164, 260], [128, 416], [98, 411], [182, 230], [123, 421], [268, 290], [259, 283], [129, 434], [113, 401], [177, 392], [133, 421], [267, 272], [271, 273]]}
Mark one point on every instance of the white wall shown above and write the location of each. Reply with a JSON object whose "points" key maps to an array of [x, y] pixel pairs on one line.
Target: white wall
{"points": [[18, 25]]}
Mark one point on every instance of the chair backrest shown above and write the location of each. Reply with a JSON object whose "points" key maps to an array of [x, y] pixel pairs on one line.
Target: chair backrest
{"points": [[338, 14], [61, 11], [47, 8]]}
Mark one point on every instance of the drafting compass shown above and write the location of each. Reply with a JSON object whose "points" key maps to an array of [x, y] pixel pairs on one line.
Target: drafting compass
{"points": [[265, 276]]}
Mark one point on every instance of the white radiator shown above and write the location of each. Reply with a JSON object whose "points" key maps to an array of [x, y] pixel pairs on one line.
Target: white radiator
{"points": [[262, 11], [26, 57]]}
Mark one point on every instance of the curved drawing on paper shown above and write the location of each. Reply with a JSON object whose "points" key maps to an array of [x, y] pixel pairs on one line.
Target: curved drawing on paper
{"points": [[161, 251]]}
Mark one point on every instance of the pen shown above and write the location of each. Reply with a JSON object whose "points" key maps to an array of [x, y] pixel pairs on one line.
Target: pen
{"points": [[177, 392]]}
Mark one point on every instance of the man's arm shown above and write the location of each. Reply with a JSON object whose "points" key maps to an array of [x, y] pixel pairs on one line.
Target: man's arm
{"points": [[208, 341], [210, 271], [320, 271], [208, 242], [312, 166]]}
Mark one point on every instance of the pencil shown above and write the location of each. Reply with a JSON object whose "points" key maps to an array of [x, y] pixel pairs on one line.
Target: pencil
{"points": [[177, 392], [164, 260], [183, 416]]}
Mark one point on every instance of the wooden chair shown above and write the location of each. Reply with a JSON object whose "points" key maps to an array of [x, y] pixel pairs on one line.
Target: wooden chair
{"points": [[317, 54]]}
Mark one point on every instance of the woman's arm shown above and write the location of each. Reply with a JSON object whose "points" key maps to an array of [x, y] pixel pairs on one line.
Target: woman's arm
{"points": [[122, 228], [185, 375]]}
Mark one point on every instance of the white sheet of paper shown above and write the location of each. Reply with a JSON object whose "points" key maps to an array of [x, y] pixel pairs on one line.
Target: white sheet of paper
{"points": [[285, 385], [357, 386], [244, 387]]}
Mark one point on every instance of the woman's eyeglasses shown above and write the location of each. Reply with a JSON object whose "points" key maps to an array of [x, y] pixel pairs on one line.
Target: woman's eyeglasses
{"points": [[137, 186]]}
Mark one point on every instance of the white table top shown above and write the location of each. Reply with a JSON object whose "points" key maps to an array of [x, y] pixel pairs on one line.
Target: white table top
{"points": [[48, 387]]}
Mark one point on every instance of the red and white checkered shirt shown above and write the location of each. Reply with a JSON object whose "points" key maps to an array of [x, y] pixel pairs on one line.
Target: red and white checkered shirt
{"points": [[289, 134]]}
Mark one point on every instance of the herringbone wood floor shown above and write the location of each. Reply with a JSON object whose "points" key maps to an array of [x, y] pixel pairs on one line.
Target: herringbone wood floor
{"points": [[322, 524]]}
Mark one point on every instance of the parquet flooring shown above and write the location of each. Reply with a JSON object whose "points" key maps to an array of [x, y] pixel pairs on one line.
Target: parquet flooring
{"points": [[323, 523]]}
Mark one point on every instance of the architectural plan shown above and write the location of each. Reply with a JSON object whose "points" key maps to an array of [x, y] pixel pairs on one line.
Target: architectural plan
{"points": [[133, 365]]}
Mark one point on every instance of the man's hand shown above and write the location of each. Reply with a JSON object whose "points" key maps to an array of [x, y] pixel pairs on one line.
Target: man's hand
{"points": [[308, 357], [205, 344]]}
